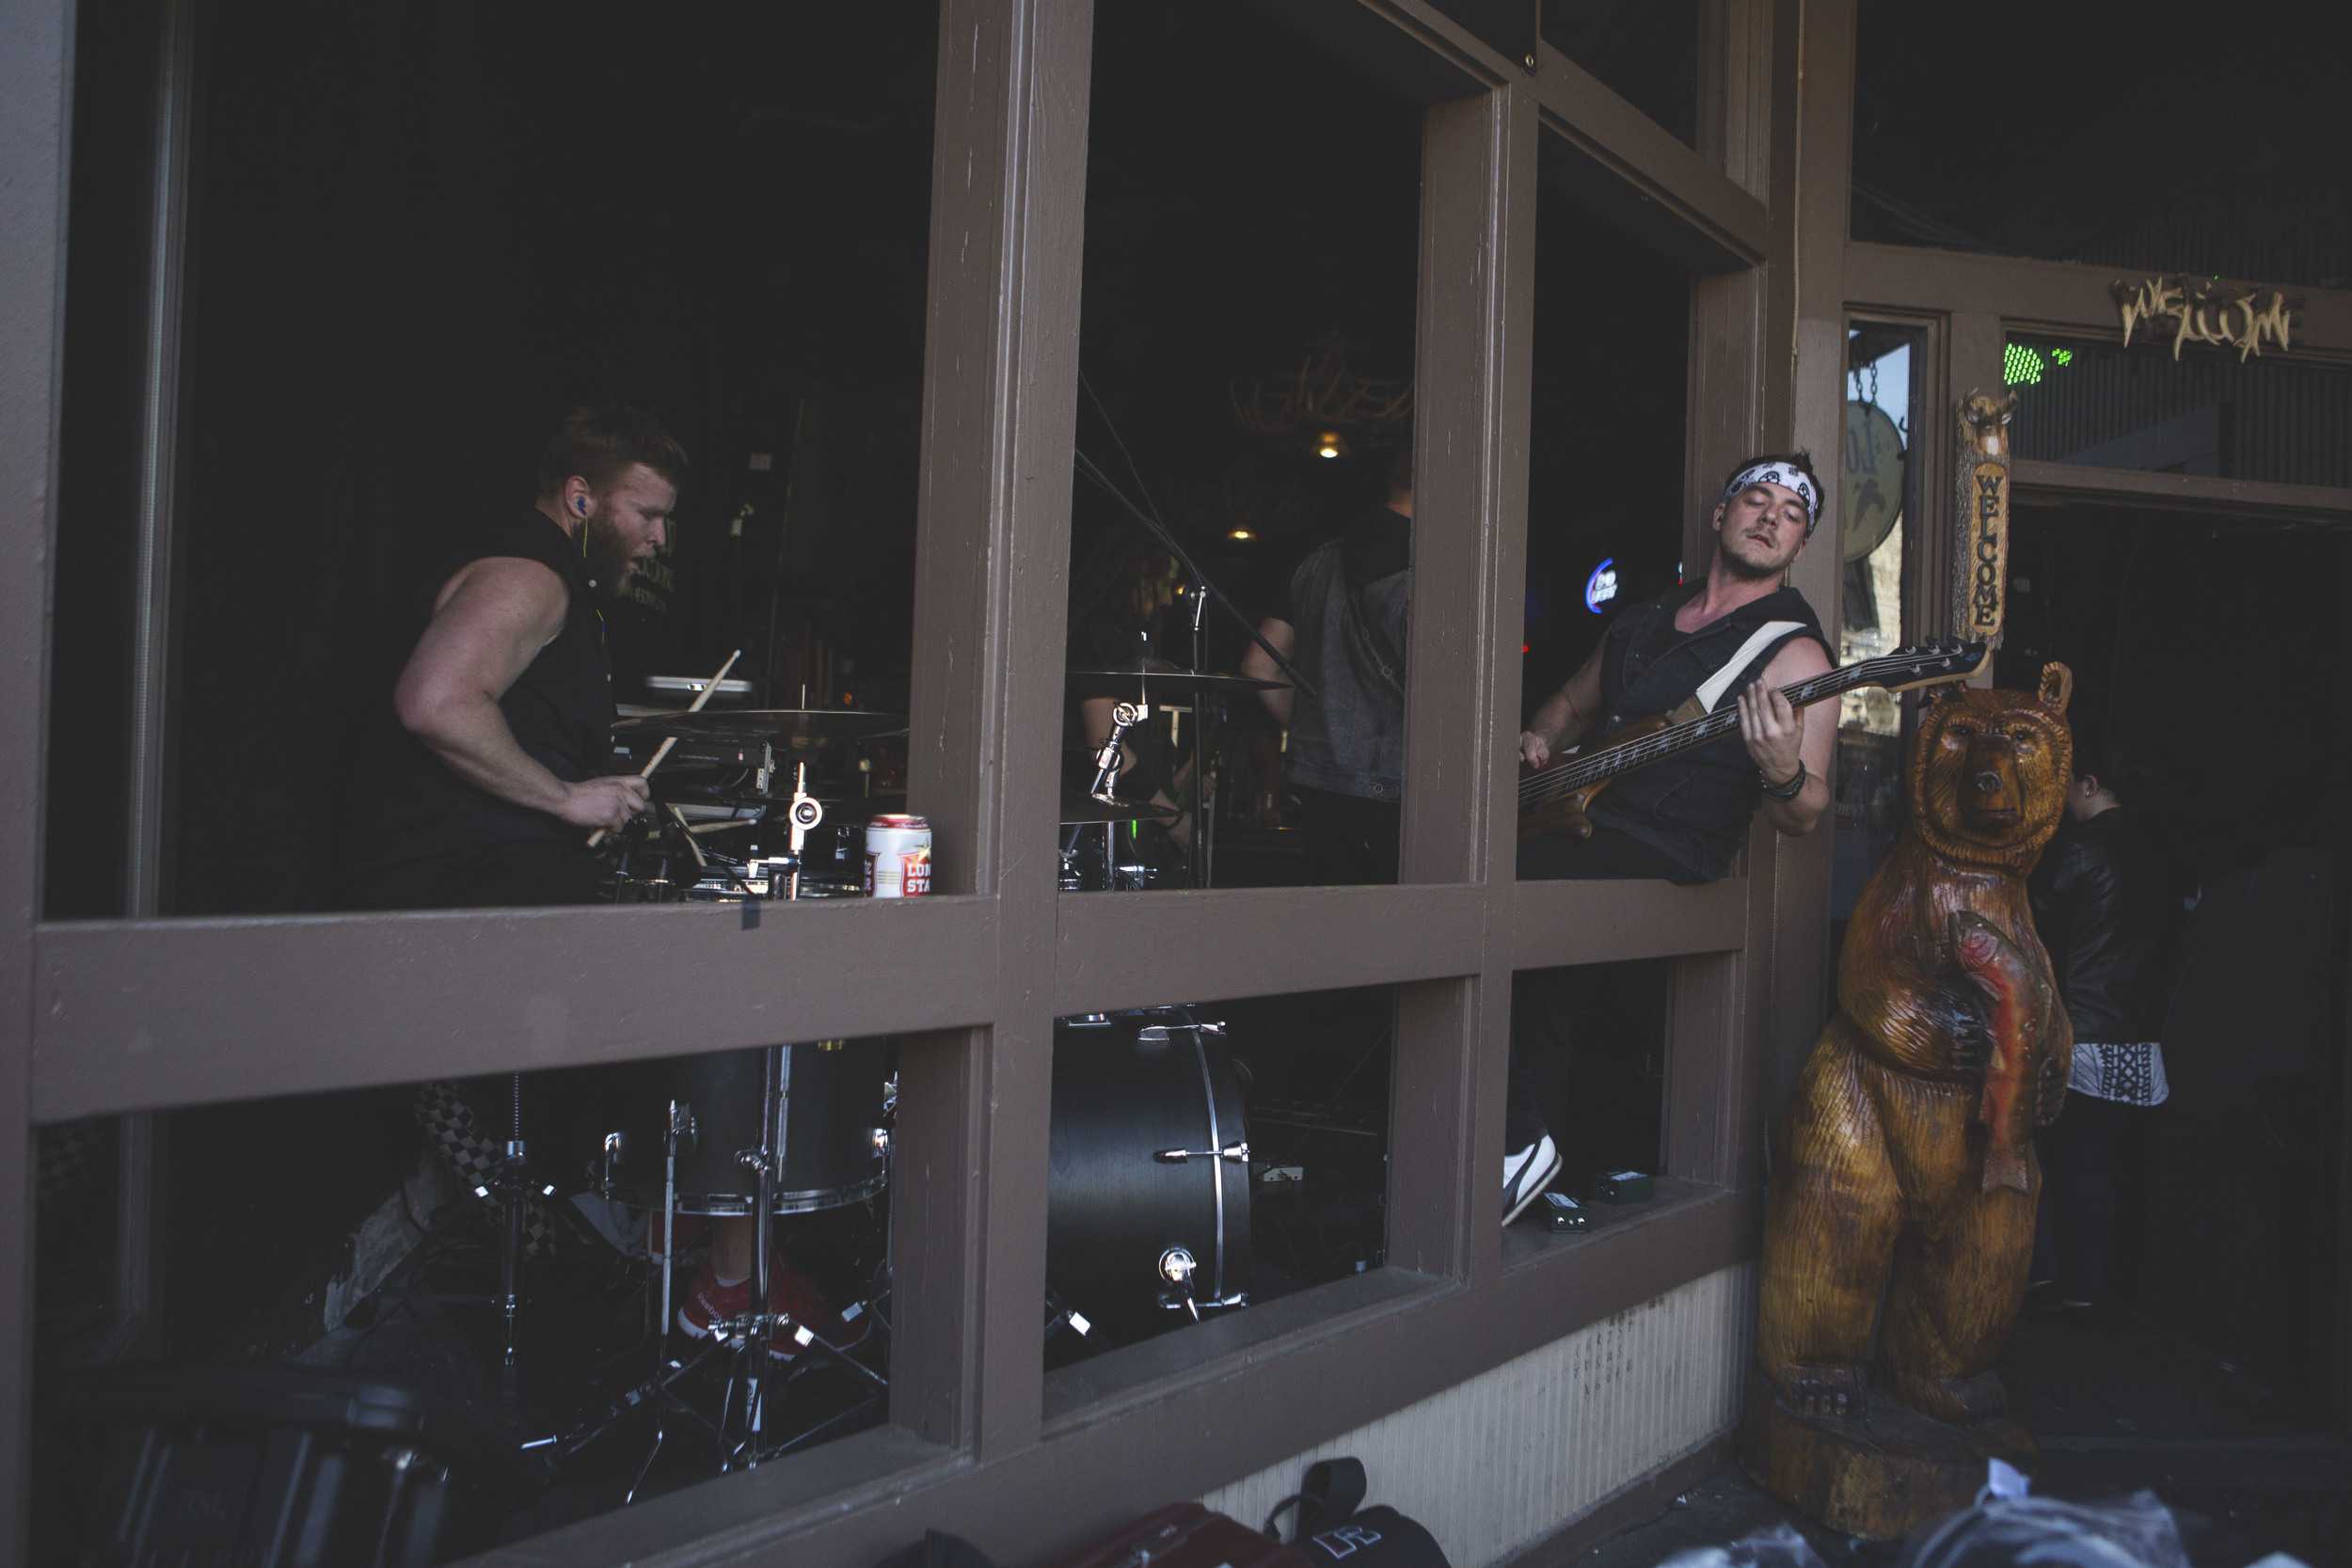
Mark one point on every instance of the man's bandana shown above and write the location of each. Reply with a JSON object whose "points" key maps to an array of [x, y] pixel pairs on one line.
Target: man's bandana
{"points": [[1789, 478]]}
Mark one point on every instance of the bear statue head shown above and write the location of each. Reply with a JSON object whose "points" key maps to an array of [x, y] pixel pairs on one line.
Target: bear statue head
{"points": [[1990, 770]]}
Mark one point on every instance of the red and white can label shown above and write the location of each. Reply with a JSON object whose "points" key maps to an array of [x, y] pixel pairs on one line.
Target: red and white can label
{"points": [[898, 856]]}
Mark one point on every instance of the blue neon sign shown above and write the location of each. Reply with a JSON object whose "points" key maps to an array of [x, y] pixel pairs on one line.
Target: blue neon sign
{"points": [[1601, 586]]}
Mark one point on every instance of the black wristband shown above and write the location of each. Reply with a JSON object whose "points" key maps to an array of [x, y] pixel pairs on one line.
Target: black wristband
{"points": [[1789, 791]]}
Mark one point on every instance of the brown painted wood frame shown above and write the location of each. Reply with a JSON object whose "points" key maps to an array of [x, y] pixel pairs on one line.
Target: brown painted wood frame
{"points": [[124, 1015]]}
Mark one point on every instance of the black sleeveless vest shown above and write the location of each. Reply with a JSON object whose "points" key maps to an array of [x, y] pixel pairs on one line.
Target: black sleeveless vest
{"points": [[1694, 807], [560, 709]]}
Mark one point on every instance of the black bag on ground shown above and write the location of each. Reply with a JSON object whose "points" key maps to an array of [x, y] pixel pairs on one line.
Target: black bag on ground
{"points": [[1333, 1527]]}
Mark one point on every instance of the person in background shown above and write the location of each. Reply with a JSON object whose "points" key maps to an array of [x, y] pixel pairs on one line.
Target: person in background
{"points": [[2102, 901], [1344, 621]]}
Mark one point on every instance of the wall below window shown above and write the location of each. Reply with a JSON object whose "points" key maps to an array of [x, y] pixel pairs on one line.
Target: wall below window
{"points": [[1496, 1464]]}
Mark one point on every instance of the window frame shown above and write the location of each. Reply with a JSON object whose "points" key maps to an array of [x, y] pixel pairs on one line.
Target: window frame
{"points": [[125, 1016]]}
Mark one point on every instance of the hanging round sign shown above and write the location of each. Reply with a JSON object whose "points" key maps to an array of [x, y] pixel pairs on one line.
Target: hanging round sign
{"points": [[1872, 501]]}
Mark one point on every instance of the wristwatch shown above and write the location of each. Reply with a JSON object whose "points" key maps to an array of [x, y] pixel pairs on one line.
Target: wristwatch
{"points": [[1789, 791]]}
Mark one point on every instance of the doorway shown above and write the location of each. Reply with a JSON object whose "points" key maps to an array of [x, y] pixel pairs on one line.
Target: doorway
{"points": [[2205, 648]]}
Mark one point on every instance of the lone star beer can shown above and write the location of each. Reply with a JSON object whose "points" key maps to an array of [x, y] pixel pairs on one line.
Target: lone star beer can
{"points": [[898, 856]]}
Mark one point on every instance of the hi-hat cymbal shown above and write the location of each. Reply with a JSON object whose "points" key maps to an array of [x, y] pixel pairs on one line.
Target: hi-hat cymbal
{"points": [[1078, 809], [798, 726], [1173, 683]]}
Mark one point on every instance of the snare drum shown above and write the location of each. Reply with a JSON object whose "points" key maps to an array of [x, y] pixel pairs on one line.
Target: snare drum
{"points": [[830, 1134], [1149, 1164]]}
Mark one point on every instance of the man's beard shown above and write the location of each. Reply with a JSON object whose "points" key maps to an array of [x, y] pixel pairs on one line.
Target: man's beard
{"points": [[608, 553], [1748, 570]]}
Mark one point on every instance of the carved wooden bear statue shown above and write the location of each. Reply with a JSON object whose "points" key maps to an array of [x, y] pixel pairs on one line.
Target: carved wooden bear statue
{"points": [[1905, 1171]]}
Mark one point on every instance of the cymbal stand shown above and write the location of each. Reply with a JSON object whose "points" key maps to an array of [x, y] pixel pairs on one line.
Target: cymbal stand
{"points": [[1202, 839], [753, 1335]]}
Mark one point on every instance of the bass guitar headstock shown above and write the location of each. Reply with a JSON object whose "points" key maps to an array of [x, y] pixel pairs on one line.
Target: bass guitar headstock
{"points": [[1928, 664]]}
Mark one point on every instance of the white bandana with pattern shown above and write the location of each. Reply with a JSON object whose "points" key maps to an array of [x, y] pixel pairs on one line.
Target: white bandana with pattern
{"points": [[1789, 477]]}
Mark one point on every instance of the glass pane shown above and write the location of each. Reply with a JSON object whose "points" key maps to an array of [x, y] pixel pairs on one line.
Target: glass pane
{"points": [[2207, 412], [1213, 1156], [1587, 1092], [352, 1252], [1878, 500], [1247, 351], [1648, 54], [413, 268], [2116, 143]]}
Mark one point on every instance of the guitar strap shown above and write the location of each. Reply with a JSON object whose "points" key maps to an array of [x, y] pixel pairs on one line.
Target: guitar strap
{"points": [[1710, 691]]}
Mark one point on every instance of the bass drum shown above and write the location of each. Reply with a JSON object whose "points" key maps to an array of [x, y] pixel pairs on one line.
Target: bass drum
{"points": [[831, 1132], [1150, 1163]]}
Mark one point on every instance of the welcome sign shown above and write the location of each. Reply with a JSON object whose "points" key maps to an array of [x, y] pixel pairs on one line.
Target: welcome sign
{"points": [[1980, 586]]}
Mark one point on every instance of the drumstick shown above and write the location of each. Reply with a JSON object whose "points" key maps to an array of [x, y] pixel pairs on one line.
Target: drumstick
{"points": [[702, 861], [669, 740]]}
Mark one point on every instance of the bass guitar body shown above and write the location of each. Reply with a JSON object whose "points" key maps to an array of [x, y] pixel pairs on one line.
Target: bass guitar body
{"points": [[1567, 812]]}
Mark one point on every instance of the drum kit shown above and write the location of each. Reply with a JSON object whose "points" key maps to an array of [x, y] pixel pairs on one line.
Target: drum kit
{"points": [[1149, 1186]]}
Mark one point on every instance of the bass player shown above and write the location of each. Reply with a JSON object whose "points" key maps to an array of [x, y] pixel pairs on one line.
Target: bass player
{"points": [[1739, 636]]}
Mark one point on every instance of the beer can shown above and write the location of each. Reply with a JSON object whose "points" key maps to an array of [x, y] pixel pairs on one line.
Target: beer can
{"points": [[897, 856]]}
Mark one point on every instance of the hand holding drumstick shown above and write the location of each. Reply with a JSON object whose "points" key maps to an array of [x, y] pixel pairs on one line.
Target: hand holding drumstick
{"points": [[637, 785]]}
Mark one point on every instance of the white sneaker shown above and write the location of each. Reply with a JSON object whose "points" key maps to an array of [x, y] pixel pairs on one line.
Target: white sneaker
{"points": [[1526, 1174]]}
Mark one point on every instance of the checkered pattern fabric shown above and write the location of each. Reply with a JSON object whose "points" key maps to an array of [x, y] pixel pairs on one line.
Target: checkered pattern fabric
{"points": [[449, 1123]]}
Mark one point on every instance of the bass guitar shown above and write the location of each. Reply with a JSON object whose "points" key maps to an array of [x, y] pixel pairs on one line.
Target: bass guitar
{"points": [[1557, 799]]}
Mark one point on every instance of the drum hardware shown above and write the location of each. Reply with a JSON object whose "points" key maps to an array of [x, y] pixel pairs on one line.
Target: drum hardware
{"points": [[794, 728], [1125, 716], [1181, 685], [1079, 811], [1237, 1152], [692, 685], [653, 762], [1157, 1034], [766, 1155], [511, 1187], [1060, 1315], [1177, 1266]]}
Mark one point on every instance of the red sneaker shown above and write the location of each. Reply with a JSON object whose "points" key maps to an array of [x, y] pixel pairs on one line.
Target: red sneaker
{"points": [[789, 1293]]}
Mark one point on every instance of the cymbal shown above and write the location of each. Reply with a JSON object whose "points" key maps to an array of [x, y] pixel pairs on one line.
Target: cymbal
{"points": [[1079, 809], [801, 726], [1162, 683]]}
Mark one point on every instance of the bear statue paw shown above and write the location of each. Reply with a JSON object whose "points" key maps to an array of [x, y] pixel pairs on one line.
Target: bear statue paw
{"points": [[1962, 1401], [1823, 1393], [2049, 1097], [1972, 1045]]}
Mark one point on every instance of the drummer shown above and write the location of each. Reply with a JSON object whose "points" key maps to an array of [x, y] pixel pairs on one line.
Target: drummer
{"points": [[501, 766], [498, 770]]}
